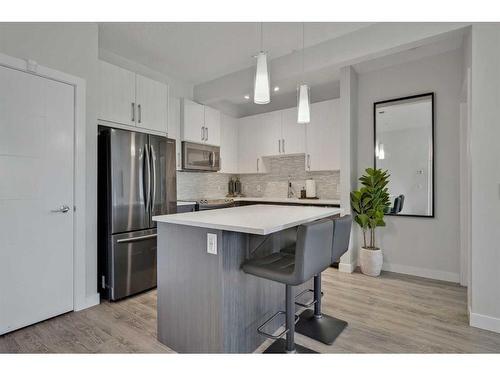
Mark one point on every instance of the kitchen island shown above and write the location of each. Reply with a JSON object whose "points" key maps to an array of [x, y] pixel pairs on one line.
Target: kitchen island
{"points": [[206, 303]]}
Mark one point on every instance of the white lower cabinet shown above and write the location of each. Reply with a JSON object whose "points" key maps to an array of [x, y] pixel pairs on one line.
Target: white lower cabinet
{"points": [[174, 128], [322, 137]]}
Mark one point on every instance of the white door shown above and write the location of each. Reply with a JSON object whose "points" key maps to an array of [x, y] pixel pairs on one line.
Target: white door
{"points": [[152, 104], [228, 144], [174, 128], [212, 124], [193, 121], [116, 94], [294, 134], [269, 135], [36, 180], [249, 160]]}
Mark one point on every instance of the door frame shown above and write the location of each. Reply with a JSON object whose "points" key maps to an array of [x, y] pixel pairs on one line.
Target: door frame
{"points": [[80, 299]]}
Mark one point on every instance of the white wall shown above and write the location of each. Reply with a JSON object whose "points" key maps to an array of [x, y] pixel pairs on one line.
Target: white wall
{"points": [[422, 246], [71, 48], [485, 152]]}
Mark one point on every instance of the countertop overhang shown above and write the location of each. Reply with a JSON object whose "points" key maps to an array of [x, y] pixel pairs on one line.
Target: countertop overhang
{"points": [[259, 219]]}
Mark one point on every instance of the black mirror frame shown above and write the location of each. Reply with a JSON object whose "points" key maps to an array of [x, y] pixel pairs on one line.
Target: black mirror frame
{"points": [[431, 94]]}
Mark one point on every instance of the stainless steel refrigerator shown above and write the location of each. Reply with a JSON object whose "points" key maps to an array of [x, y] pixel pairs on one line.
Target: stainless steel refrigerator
{"points": [[136, 180]]}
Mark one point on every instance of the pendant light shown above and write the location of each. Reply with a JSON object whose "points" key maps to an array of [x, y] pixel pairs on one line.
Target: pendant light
{"points": [[261, 93], [303, 93]]}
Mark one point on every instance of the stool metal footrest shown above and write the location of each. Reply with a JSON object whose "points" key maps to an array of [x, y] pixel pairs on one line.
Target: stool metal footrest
{"points": [[285, 330], [309, 304]]}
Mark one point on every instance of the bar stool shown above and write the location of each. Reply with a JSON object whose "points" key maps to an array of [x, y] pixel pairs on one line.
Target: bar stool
{"points": [[312, 323], [312, 255]]}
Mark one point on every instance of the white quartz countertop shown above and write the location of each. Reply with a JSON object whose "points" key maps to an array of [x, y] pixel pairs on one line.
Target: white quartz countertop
{"points": [[255, 219], [319, 202]]}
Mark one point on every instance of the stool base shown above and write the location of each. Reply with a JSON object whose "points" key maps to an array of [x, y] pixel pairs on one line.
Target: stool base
{"points": [[325, 329], [279, 347]]}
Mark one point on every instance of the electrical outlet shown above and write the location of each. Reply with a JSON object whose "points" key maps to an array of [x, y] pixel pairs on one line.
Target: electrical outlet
{"points": [[212, 243]]}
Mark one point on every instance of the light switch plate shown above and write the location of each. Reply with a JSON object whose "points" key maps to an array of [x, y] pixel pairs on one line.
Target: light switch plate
{"points": [[212, 243]]}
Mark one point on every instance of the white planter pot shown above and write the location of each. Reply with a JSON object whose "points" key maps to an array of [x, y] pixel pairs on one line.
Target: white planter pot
{"points": [[371, 261]]}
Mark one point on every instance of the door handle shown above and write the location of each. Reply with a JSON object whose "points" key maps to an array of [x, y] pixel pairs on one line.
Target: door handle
{"points": [[133, 112], [147, 165], [206, 137], [283, 145], [279, 146], [257, 164], [133, 239], [140, 113], [63, 209], [153, 168], [202, 133]]}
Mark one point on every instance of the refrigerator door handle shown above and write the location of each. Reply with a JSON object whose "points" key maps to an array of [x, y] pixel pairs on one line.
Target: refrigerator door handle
{"points": [[147, 167], [134, 239], [153, 186]]}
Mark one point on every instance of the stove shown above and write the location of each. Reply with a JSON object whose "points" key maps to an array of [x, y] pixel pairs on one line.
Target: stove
{"points": [[213, 204]]}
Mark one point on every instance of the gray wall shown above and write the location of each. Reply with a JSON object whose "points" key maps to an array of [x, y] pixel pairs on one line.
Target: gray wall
{"points": [[421, 246], [274, 184]]}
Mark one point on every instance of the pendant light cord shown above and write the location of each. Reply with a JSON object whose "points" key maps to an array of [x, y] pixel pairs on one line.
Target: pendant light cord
{"points": [[303, 49], [262, 37]]}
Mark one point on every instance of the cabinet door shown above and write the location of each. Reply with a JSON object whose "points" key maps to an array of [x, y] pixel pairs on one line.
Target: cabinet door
{"points": [[116, 94], [192, 121], [212, 124], [322, 135], [152, 104], [174, 128], [293, 134], [249, 160], [228, 144], [268, 134]]}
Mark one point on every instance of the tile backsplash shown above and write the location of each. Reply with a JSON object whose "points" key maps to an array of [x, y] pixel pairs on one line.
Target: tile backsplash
{"points": [[192, 185]]}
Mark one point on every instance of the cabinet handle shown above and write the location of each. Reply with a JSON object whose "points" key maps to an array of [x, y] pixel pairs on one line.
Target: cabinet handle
{"points": [[202, 133], [283, 145], [140, 113], [257, 164], [309, 161], [206, 136], [133, 112], [279, 146]]}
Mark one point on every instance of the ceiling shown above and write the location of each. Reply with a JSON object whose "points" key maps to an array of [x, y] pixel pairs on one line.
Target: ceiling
{"points": [[217, 58], [201, 52]]}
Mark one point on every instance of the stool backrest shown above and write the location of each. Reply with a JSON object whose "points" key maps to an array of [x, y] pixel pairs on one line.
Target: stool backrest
{"points": [[313, 252], [341, 236]]}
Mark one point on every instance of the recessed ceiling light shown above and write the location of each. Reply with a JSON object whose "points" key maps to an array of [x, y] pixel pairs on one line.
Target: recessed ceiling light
{"points": [[276, 88], [247, 97]]}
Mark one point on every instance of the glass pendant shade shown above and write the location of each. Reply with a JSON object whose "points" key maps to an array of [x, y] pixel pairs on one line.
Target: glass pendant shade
{"points": [[261, 93], [304, 105]]}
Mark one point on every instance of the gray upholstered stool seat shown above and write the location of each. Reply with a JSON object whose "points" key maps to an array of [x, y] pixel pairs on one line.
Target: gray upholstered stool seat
{"points": [[312, 255], [313, 323]]}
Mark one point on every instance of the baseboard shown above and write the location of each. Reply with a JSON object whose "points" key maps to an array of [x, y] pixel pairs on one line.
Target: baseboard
{"points": [[90, 301], [347, 267], [484, 322], [422, 272]]}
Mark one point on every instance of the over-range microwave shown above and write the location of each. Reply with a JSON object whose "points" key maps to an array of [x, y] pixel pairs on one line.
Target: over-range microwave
{"points": [[200, 157]]}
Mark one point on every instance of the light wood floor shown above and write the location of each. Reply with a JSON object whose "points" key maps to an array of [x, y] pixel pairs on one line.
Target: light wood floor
{"points": [[390, 314]]}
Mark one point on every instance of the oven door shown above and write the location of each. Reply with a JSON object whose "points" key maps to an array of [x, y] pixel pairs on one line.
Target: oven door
{"points": [[200, 157]]}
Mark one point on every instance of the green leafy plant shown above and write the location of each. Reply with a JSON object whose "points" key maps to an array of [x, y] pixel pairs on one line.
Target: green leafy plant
{"points": [[370, 203]]}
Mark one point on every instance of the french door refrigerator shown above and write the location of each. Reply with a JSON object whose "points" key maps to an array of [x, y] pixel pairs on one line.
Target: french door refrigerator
{"points": [[136, 180]]}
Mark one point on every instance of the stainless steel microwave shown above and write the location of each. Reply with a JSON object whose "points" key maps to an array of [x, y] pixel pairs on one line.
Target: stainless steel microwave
{"points": [[200, 157]]}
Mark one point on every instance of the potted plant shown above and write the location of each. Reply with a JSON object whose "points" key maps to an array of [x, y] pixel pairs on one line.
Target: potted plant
{"points": [[369, 205]]}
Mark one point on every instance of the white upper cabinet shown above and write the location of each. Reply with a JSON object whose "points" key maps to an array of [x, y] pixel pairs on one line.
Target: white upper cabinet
{"points": [[212, 125], [322, 134], [249, 142], [117, 94], [200, 123], [152, 104], [228, 144], [130, 99], [192, 121], [174, 128], [293, 134], [269, 125]]}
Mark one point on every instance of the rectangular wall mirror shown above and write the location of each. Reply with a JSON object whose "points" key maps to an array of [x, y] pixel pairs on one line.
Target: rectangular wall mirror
{"points": [[404, 145]]}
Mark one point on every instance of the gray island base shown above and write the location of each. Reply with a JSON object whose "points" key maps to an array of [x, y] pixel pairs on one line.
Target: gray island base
{"points": [[206, 303]]}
